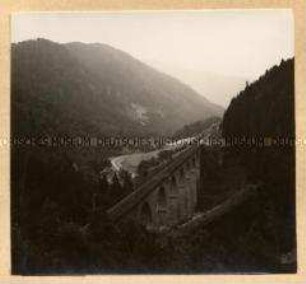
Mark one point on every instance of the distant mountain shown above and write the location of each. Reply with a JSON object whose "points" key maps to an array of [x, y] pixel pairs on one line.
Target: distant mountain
{"points": [[217, 87], [220, 88], [95, 89]]}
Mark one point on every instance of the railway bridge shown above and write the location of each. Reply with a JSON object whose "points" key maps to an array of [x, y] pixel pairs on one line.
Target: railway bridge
{"points": [[167, 197]]}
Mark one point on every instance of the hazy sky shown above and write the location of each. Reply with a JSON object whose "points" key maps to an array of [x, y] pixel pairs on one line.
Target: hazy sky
{"points": [[227, 42]]}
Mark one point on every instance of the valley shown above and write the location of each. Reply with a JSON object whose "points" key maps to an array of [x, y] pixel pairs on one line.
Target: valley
{"points": [[110, 208]]}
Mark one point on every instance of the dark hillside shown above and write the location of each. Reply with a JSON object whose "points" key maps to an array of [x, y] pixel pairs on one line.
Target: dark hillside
{"points": [[195, 128], [264, 108], [264, 111]]}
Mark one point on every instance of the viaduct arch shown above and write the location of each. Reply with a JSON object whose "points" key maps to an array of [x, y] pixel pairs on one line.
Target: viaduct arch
{"points": [[168, 197]]}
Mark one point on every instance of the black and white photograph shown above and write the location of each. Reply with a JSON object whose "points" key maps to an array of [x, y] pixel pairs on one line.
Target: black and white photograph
{"points": [[153, 142]]}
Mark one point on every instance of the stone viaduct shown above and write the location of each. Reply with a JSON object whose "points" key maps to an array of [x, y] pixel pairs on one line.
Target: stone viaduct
{"points": [[167, 197]]}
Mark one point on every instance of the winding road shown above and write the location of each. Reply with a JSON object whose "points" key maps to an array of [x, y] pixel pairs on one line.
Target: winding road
{"points": [[130, 162]]}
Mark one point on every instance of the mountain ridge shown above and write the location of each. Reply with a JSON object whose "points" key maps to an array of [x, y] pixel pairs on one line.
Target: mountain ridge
{"points": [[99, 90]]}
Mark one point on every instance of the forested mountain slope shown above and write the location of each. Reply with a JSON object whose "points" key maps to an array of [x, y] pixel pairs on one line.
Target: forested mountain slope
{"points": [[265, 110], [265, 107], [95, 89]]}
